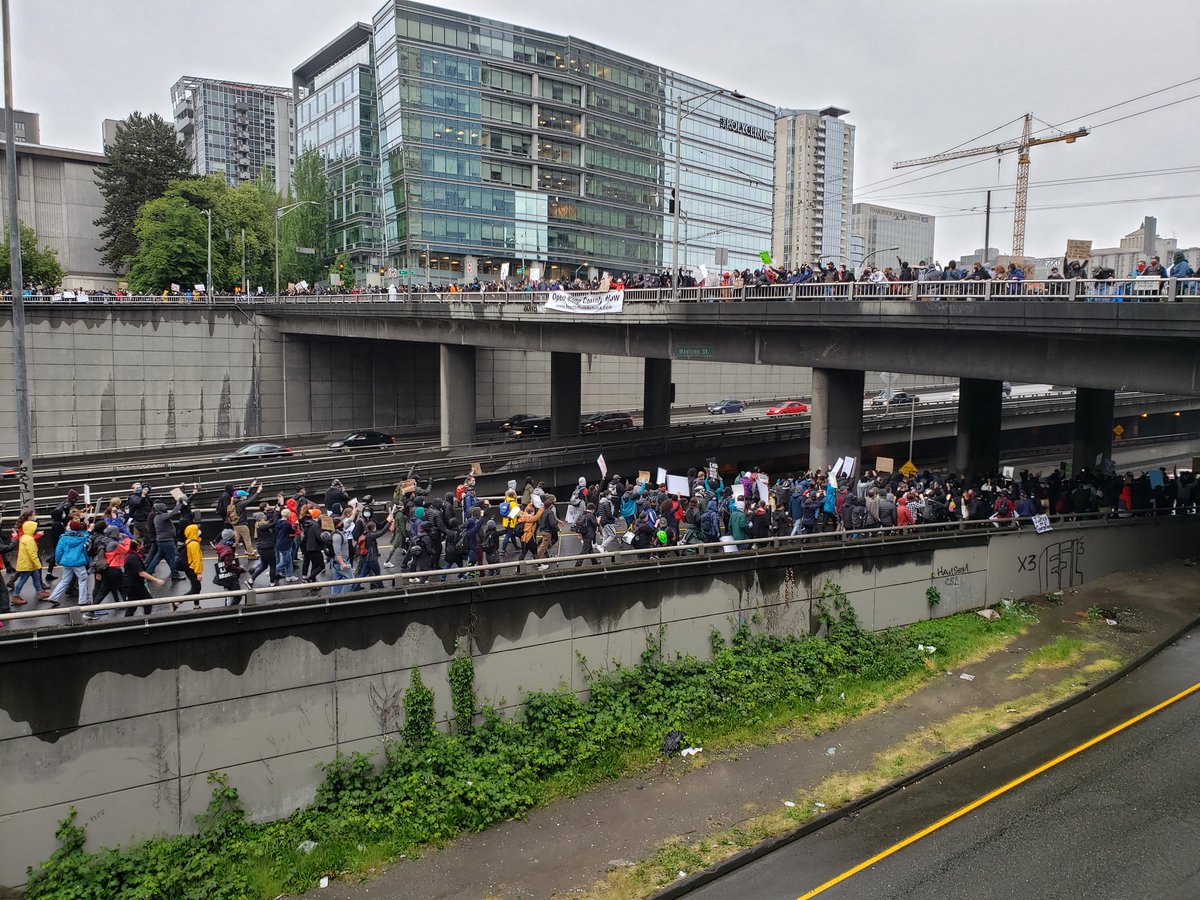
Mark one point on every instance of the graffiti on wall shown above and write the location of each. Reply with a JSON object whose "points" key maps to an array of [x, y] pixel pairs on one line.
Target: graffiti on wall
{"points": [[1058, 566]]}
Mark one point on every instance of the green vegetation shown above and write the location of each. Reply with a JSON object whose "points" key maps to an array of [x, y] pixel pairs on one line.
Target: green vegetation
{"points": [[433, 785], [1060, 653], [39, 265]]}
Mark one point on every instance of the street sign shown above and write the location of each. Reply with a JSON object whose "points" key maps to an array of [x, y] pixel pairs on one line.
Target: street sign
{"points": [[1118, 430], [392, 272], [908, 469]]}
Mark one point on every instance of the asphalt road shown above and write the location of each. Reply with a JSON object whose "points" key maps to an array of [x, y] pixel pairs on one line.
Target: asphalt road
{"points": [[1120, 819]]}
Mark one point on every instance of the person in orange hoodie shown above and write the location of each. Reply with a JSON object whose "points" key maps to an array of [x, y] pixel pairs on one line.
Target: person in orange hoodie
{"points": [[29, 564]]}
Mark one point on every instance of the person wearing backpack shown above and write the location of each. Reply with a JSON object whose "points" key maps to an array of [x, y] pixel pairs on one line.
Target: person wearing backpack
{"points": [[314, 546], [368, 556], [71, 554], [286, 532], [134, 578], [265, 523], [548, 529], [59, 520], [491, 544], [110, 567], [339, 568], [227, 569], [236, 516]]}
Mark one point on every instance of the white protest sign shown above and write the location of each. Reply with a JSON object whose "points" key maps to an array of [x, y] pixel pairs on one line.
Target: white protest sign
{"points": [[848, 466], [837, 468], [661, 476], [87, 495], [1041, 523], [174, 288], [603, 466], [739, 492], [678, 484], [199, 287], [1007, 472], [763, 483], [504, 271], [585, 303]]}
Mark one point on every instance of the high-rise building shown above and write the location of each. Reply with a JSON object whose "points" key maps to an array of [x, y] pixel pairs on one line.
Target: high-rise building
{"points": [[337, 115], [814, 184], [882, 227], [27, 127], [235, 130], [502, 146]]}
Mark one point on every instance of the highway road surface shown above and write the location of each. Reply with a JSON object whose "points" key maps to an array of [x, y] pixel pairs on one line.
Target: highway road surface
{"points": [[1034, 816]]}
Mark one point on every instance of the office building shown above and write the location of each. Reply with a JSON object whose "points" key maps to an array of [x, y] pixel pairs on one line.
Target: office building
{"points": [[882, 228], [1138, 246], [108, 132], [502, 146], [27, 127], [337, 115], [58, 197], [813, 187], [235, 130]]}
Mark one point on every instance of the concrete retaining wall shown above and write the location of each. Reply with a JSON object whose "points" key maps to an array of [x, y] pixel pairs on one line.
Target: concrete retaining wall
{"points": [[125, 723]]}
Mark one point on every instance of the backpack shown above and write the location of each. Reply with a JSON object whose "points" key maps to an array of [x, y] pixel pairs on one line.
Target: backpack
{"points": [[491, 539], [362, 545], [97, 561], [231, 514], [709, 524]]}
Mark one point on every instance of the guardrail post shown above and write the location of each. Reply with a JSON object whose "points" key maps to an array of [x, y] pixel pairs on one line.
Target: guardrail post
{"points": [[251, 597], [75, 615], [1172, 289]]}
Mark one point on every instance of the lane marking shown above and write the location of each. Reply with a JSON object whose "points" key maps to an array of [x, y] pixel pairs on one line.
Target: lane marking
{"points": [[992, 795]]}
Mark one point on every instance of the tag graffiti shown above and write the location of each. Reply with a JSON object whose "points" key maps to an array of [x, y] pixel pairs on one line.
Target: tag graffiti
{"points": [[1058, 566]]}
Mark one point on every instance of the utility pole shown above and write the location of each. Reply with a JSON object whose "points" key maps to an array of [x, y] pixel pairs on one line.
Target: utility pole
{"points": [[208, 273], [20, 364]]}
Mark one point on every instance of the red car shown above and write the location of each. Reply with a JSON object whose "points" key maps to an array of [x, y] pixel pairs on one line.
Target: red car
{"points": [[788, 408]]}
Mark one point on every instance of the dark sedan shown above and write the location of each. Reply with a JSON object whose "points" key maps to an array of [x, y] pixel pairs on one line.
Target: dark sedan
{"points": [[517, 420], [530, 426], [256, 451], [607, 421], [727, 406], [360, 440]]}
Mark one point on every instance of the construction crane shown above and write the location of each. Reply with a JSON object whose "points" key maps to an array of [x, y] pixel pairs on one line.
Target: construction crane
{"points": [[1021, 145]]}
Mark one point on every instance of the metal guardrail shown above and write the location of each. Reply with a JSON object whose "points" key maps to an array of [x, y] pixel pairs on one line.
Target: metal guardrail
{"points": [[1142, 289], [250, 600]]}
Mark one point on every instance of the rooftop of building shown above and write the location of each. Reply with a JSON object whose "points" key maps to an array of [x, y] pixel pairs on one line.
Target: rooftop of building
{"points": [[348, 41], [187, 81], [83, 156], [831, 112]]}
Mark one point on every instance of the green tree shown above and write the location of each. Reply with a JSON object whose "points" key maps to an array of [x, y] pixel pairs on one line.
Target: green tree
{"points": [[305, 226], [142, 161], [172, 240], [39, 267], [343, 268]]}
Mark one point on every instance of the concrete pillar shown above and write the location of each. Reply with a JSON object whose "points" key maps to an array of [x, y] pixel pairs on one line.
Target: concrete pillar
{"points": [[456, 370], [977, 450], [566, 385], [656, 395], [1093, 427], [837, 416]]}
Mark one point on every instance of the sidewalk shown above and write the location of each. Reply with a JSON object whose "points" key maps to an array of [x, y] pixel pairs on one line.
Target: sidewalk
{"points": [[567, 847]]}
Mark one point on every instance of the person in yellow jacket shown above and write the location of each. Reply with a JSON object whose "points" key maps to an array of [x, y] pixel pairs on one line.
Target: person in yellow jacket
{"points": [[29, 564], [510, 510], [194, 568]]}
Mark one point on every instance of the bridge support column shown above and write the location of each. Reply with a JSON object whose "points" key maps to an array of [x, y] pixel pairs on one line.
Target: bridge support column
{"points": [[656, 395], [456, 371], [566, 386], [1093, 427], [837, 416], [977, 450]]}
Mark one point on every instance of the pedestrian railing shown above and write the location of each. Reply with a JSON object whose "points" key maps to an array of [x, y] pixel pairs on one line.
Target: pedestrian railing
{"points": [[252, 601], [1117, 290]]}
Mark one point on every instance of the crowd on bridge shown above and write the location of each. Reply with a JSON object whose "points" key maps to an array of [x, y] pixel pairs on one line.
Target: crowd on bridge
{"points": [[117, 551]]}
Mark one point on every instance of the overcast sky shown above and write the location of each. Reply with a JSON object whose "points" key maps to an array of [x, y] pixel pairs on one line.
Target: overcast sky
{"points": [[919, 77]]}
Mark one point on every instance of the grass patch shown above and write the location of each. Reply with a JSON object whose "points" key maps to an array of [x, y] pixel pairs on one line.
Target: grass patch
{"points": [[1060, 653], [432, 786], [915, 751]]}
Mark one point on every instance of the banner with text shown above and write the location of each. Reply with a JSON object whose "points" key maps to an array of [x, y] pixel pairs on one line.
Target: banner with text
{"points": [[591, 304]]}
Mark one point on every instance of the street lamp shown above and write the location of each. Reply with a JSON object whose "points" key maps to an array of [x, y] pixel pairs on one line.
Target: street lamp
{"points": [[863, 262], [680, 115], [279, 214]]}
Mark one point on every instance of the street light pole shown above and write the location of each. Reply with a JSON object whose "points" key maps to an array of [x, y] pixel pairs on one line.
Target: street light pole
{"points": [[279, 214], [208, 274], [863, 262], [20, 364]]}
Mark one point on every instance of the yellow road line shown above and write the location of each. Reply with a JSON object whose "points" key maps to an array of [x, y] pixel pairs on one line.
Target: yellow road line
{"points": [[992, 795]]}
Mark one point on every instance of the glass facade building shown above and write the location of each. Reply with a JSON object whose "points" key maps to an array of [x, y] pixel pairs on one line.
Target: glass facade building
{"points": [[235, 130], [880, 227], [503, 145], [337, 115]]}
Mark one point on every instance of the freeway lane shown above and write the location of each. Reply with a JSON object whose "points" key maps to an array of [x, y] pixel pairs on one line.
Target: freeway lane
{"points": [[1120, 819]]}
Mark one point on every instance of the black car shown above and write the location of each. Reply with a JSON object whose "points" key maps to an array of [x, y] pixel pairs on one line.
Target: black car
{"points": [[530, 426], [256, 451], [903, 398], [727, 406], [358, 440], [516, 421], [607, 421]]}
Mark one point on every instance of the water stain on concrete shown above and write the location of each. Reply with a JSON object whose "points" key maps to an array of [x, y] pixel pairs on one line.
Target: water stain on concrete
{"points": [[223, 409]]}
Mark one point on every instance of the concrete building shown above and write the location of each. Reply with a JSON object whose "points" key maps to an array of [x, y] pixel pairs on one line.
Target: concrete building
{"points": [[235, 130], [27, 127], [881, 227], [57, 196], [986, 256], [814, 184], [1138, 246], [108, 132], [506, 147]]}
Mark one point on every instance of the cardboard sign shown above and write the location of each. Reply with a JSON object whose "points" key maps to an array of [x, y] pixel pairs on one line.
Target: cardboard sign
{"points": [[177, 494], [408, 486], [644, 476], [1078, 251], [885, 464], [603, 466], [326, 522], [476, 468], [678, 485]]}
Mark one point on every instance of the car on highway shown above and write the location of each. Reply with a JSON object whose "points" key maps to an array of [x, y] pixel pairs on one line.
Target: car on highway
{"points": [[898, 398], [607, 421], [530, 426], [256, 451], [361, 440], [515, 421], [788, 408], [727, 406]]}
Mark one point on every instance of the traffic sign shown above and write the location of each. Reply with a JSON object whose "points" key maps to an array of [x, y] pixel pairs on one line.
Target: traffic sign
{"points": [[1118, 430], [392, 272], [908, 469]]}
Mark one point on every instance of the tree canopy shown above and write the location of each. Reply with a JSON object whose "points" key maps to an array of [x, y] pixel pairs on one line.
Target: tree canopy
{"points": [[142, 161], [39, 267], [305, 226]]}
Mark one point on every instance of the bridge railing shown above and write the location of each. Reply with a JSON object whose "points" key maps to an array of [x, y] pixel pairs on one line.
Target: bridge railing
{"points": [[1116, 290], [256, 600]]}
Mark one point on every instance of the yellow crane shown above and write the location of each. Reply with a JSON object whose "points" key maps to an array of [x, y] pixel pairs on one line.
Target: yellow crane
{"points": [[1021, 145]]}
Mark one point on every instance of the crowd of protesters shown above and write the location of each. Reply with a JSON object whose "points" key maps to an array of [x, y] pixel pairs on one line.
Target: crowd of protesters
{"points": [[116, 551]]}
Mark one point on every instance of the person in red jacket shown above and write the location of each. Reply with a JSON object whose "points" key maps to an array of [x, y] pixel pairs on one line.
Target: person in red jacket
{"points": [[904, 516]]}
